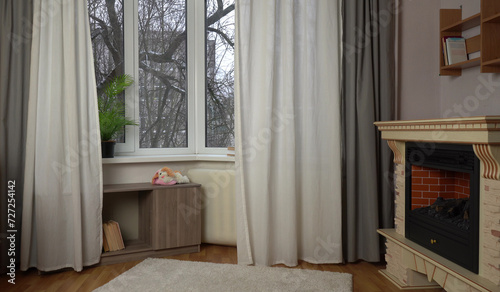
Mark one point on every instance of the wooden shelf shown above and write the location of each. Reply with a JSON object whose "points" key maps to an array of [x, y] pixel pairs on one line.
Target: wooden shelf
{"points": [[131, 246], [492, 19], [495, 62], [468, 23], [463, 65], [169, 221], [490, 42], [487, 42]]}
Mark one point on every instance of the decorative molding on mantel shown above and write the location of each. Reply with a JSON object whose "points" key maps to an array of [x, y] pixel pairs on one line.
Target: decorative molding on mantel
{"points": [[481, 132], [398, 148], [471, 130], [489, 156]]}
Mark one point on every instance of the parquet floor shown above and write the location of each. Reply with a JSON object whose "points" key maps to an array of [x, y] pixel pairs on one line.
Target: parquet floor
{"points": [[366, 276]]}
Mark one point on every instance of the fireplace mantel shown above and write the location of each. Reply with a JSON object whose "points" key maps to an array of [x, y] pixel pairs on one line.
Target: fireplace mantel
{"points": [[482, 132]]}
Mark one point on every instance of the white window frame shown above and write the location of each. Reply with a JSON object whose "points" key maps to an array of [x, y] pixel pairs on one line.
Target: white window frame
{"points": [[196, 84]]}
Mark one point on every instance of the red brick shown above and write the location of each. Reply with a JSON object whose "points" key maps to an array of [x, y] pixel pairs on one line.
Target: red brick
{"points": [[463, 196], [416, 167], [437, 173], [458, 189], [446, 181], [450, 188], [466, 176], [420, 188], [424, 202], [420, 173], [429, 195], [463, 182], [447, 195], [430, 181], [437, 188], [416, 194], [416, 180]]}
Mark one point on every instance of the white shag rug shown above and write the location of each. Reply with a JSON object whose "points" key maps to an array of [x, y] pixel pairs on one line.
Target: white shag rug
{"points": [[173, 275]]}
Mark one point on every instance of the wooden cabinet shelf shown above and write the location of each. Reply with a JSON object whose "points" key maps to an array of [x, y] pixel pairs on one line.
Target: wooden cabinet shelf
{"points": [[465, 24], [492, 19], [463, 65], [169, 221], [495, 62], [487, 42]]}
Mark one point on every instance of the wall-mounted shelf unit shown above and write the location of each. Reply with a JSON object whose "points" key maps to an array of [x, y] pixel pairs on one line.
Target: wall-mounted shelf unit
{"points": [[487, 42], [490, 43]]}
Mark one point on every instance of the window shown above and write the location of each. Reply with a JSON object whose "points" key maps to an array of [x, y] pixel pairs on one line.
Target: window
{"points": [[181, 55]]}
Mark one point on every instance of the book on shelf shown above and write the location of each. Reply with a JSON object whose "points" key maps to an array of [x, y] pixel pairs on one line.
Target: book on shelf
{"points": [[445, 52], [112, 237], [118, 234], [455, 50], [105, 244]]}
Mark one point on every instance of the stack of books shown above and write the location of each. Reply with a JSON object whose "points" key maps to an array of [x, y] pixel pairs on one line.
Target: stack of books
{"points": [[454, 50], [112, 237]]}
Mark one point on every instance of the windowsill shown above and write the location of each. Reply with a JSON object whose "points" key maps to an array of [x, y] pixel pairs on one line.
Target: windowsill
{"points": [[167, 158]]}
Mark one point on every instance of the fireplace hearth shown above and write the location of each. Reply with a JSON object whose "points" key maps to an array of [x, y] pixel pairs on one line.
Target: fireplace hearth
{"points": [[447, 175]]}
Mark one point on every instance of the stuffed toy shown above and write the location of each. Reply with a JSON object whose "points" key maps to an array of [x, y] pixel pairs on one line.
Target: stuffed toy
{"points": [[166, 177]]}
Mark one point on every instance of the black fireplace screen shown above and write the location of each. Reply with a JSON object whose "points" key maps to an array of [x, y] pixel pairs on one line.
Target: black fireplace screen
{"points": [[442, 200]]}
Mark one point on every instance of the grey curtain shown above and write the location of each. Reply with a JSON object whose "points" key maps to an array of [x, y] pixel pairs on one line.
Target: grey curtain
{"points": [[367, 96], [15, 50]]}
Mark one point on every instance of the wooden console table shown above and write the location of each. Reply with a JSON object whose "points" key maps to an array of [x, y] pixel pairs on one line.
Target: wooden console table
{"points": [[169, 221]]}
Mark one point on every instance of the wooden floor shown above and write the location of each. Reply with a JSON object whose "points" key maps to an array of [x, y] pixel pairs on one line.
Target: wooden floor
{"points": [[366, 276]]}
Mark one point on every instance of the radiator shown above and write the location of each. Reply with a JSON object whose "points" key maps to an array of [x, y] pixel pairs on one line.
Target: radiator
{"points": [[218, 205]]}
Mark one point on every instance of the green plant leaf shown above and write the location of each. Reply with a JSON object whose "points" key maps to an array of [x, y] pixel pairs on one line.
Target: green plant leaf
{"points": [[112, 120]]}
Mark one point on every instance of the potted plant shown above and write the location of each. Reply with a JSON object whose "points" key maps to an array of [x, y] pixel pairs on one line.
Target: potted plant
{"points": [[112, 119]]}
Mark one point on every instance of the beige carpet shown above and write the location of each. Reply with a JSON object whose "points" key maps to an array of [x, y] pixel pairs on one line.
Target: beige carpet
{"points": [[174, 275]]}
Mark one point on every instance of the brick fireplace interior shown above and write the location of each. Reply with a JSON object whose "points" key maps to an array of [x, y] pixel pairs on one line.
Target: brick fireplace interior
{"points": [[429, 183]]}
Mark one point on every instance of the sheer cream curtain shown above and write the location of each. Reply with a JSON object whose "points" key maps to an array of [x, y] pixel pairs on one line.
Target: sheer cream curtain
{"points": [[63, 180], [288, 156]]}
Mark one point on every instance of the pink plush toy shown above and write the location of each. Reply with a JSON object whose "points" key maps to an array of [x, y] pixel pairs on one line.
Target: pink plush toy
{"points": [[166, 177]]}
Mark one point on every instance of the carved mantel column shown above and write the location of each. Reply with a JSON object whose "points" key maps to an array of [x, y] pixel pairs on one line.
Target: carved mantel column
{"points": [[489, 156], [398, 148]]}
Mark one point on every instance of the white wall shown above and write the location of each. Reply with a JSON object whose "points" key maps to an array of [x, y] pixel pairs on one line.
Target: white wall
{"points": [[422, 92], [418, 69]]}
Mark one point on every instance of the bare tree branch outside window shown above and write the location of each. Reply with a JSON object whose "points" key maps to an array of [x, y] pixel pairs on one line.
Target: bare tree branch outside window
{"points": [[220, 73], [162, 64]]}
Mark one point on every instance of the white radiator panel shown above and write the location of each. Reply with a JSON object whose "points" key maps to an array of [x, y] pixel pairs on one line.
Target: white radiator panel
{"points": [[218, 217]]}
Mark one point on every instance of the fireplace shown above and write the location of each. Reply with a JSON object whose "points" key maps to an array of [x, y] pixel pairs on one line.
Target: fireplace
{"points": [[442, 155], [442, 200]]}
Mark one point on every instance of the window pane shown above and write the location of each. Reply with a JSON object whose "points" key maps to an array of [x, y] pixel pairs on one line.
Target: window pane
{"points": [[220, 73], [162, 73], [106, 29]]}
